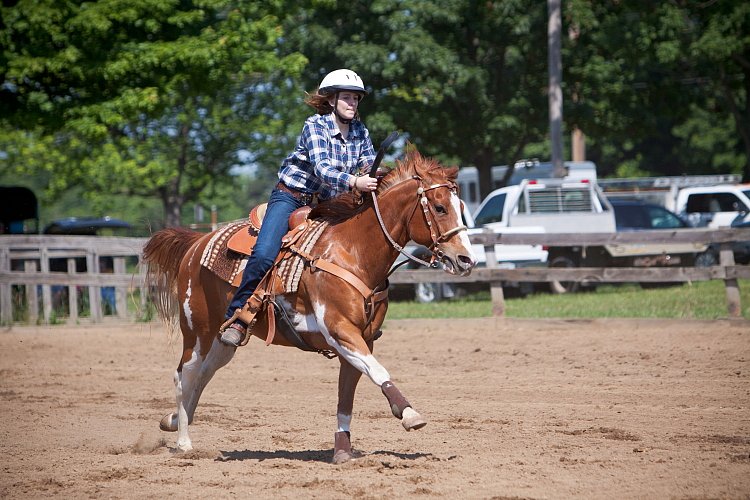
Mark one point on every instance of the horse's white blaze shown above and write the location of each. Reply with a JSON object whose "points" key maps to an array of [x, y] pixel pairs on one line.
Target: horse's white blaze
{"points": [[366, 363], [186, 304], [344, 421], [464, 238]]}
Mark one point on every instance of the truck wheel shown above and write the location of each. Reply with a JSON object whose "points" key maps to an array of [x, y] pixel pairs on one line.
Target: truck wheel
{"points": [[707, 259], [427, 292], [563, 286]]}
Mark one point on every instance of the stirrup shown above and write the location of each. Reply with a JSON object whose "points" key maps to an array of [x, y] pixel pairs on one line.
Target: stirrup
{"points": [[233, 335]]}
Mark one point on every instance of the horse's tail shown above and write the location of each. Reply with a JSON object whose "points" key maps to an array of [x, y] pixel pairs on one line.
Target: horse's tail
{"points": [[162, 254]]}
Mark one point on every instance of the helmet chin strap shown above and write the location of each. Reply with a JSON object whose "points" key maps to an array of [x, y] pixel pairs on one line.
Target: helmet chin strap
{"points": [[336, 111]]}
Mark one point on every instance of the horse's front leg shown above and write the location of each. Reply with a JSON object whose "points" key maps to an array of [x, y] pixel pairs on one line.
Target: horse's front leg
{"points": [[350, 345]]}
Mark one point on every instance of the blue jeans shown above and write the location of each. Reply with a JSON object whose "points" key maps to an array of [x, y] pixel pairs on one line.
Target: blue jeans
{"points": [[275, 226]]}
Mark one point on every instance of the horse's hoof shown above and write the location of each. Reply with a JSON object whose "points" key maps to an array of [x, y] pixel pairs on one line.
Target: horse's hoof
{"points": [[184, 446], [342, 456], [168, 423], [411, 420], [342, 448]]}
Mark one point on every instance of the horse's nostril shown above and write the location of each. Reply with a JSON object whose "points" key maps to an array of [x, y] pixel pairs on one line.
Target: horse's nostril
{"points": [[466, 262]]}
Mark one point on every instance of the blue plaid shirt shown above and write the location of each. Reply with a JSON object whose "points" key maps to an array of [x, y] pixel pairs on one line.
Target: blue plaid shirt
{"points": [[323, 162]]}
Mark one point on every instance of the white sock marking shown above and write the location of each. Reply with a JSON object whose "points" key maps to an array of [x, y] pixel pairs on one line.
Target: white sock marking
{"points": [[344, 421]]}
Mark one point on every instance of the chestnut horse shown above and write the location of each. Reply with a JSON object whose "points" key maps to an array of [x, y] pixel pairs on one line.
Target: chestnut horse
{"points": [[417, 200]]}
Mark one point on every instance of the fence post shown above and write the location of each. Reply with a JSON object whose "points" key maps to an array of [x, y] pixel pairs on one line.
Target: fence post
{"points": [[121, 300], [32, 297], [46, 288], [496, 287], [726, 259], [95, 293], [72, 294], [141, 269], [6, 300]]}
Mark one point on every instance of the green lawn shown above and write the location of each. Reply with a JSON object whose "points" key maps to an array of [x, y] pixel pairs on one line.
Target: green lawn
{"points": [[701, 300]]}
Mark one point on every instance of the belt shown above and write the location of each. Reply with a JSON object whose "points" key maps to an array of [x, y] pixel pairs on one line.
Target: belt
{"points": [[305, 198]]}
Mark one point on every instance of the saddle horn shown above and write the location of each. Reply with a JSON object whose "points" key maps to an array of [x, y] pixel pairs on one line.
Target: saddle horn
{"points": [[381, 152]]}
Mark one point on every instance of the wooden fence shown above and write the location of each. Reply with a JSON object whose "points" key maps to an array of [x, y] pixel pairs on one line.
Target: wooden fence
{"points": [[492, 274], [30, 265], [60, 267]]}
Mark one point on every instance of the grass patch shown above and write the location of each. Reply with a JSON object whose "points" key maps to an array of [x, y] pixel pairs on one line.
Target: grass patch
{"points": [[700, 300]]}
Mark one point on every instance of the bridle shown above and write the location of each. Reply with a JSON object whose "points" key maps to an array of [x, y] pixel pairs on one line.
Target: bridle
{"points": [[437, 236]]}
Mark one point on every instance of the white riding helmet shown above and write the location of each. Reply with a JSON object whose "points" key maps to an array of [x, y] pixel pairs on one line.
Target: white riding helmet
{"points": [[341, 79]]}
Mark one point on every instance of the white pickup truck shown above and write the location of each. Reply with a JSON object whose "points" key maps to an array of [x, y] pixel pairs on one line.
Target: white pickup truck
{"points": [[567, 206], [555, 205], [532, 206], [713, 206]]}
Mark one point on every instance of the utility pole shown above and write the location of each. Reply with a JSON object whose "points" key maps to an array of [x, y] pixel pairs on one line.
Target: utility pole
{"points": [[554, 29]]}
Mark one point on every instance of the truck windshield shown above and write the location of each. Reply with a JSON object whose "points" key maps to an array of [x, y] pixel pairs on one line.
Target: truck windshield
{"points": [[492, 211]]}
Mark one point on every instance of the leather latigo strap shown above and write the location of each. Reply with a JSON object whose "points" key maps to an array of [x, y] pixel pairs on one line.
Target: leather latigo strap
{"points": [[342, 273], [372, 297]]}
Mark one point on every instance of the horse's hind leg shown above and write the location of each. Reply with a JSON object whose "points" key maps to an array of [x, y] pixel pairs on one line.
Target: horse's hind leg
{"points": [[191, 378]]}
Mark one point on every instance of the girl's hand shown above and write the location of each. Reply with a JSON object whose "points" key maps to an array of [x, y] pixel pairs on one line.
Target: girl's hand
{"points": [[364, 183]]}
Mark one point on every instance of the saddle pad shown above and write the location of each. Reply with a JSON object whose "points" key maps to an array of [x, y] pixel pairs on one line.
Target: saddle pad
{"points": [[228, 264], [219, 259], [291, 266]]}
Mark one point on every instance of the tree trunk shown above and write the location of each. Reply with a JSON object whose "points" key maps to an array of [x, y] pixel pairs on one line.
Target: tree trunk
{"points": [[743, 126], [173, 211], [483, 162], [741, 117], [173, 198]]}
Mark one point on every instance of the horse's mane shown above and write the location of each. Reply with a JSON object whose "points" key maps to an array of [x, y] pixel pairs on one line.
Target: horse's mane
{"points": [[347, 205]]}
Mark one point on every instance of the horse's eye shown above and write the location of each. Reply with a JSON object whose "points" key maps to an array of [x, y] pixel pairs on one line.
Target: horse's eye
{"points": [[440, 209]]}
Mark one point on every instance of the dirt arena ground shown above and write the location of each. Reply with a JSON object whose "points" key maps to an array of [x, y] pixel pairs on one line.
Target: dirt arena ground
{"points": [[515, 409]]}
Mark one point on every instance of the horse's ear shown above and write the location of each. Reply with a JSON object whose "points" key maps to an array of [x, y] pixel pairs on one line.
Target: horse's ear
{"points": [[451, 172], [412, 154]]}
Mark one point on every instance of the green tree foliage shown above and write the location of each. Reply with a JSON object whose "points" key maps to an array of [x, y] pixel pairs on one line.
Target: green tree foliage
{"points": [[466, 80], [163, 98], [661, 87], [151, 98]]}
